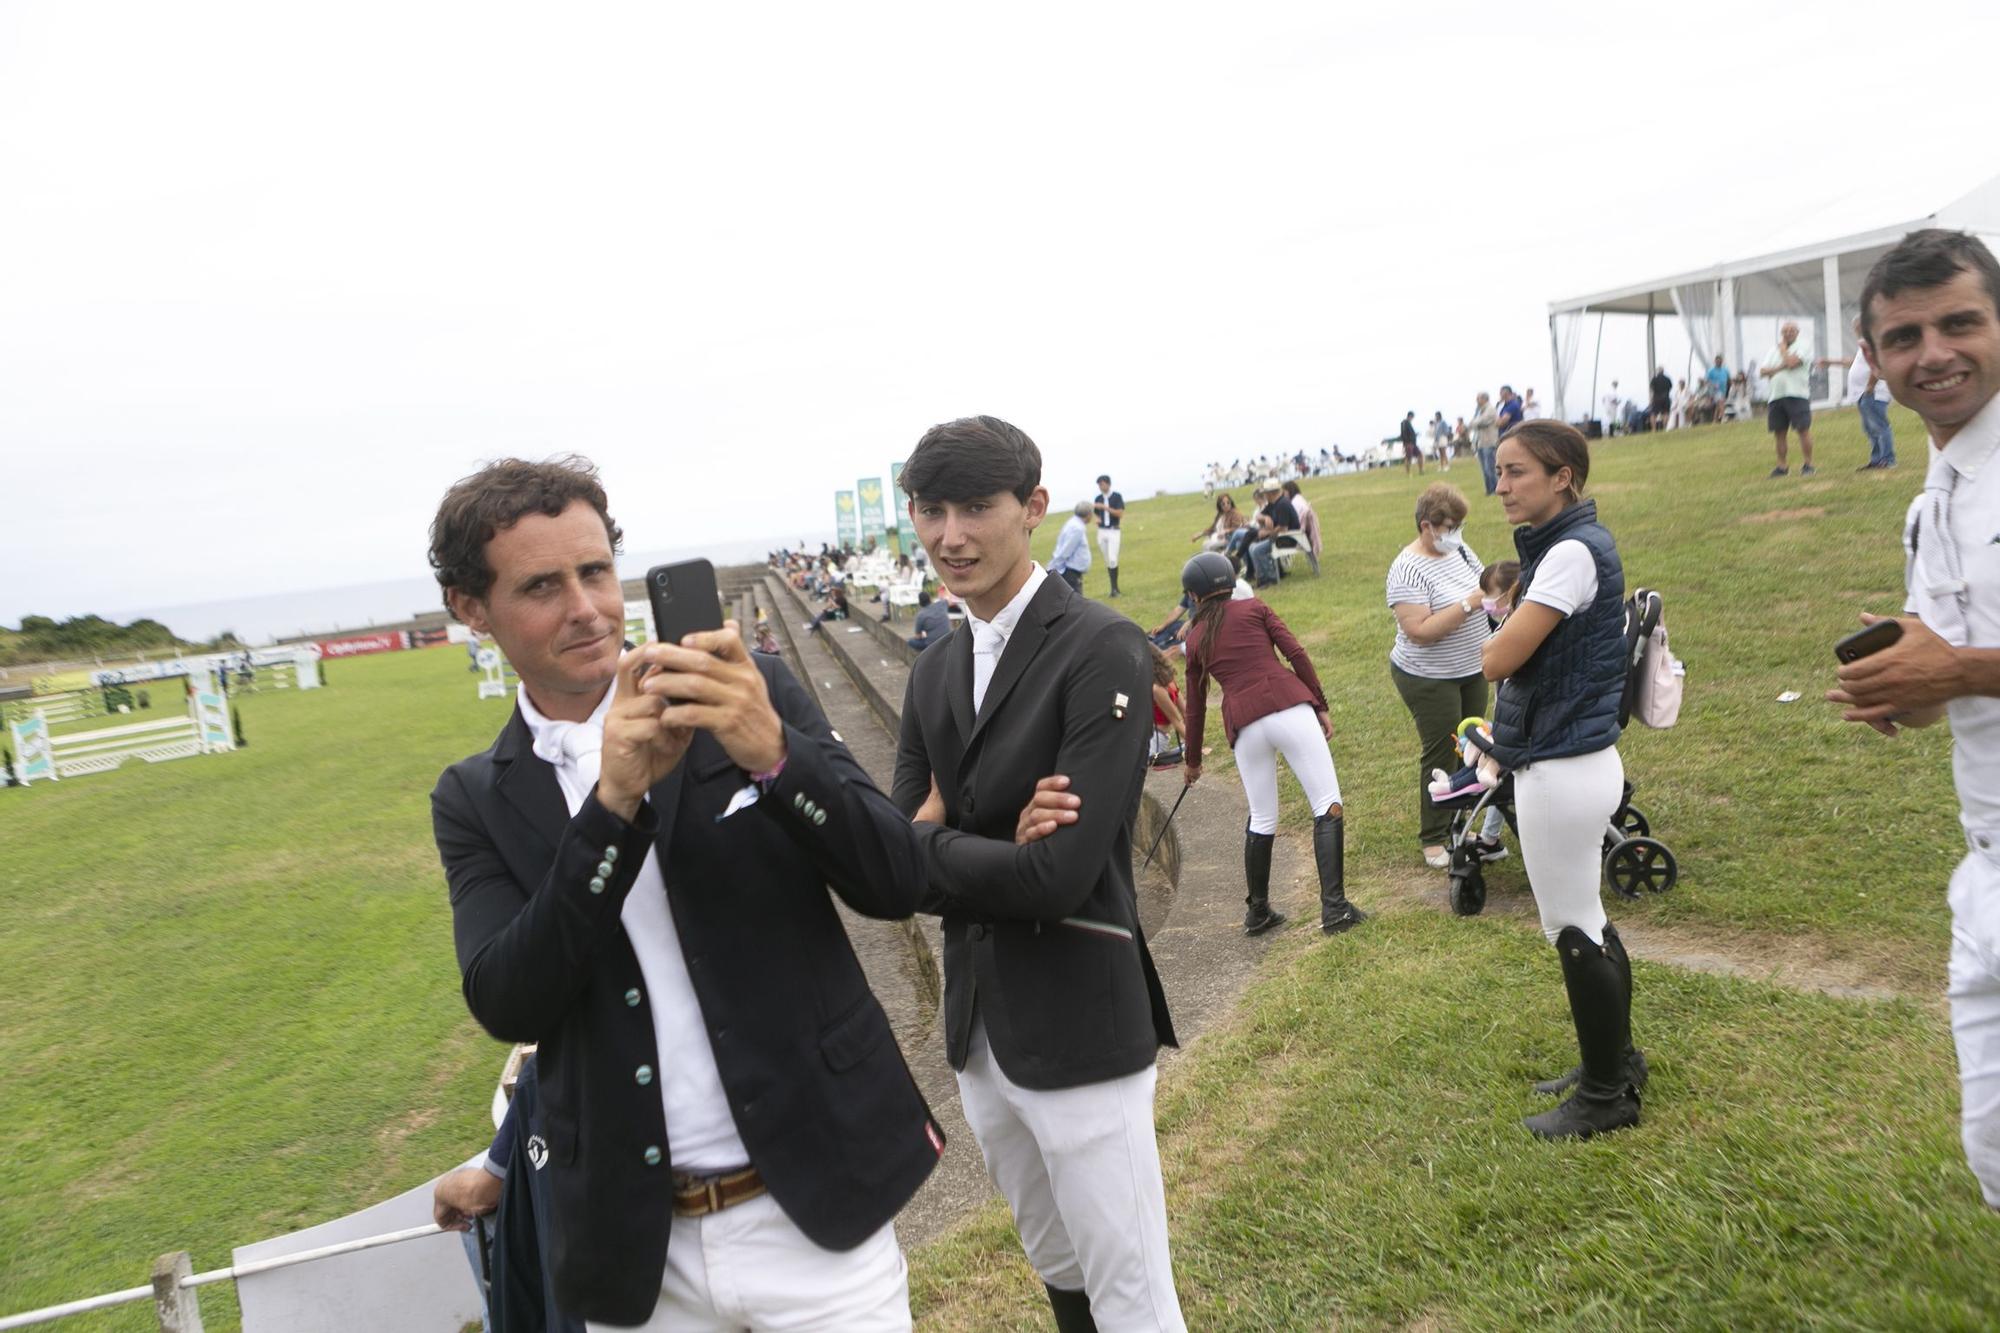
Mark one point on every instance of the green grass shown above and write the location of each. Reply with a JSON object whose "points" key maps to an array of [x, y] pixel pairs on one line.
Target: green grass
{"points": [[231, 1007], [1347, 1155], [1784, 819]]}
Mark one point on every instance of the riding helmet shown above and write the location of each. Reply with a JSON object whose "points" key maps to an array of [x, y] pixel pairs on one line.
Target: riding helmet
{"points": [[1209, 572]]}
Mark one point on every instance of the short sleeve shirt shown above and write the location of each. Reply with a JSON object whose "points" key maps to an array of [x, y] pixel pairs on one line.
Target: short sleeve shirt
{"points": [[1565, 580], [1435, 582], [1510, 415], [1718, 380], [1796, 382]]}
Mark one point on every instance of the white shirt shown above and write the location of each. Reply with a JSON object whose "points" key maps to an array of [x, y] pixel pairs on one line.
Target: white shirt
{"points": [[1566, 579], [700, 1128], [989, 637], [1796, 382], [1857, 379], [1953, 581]]}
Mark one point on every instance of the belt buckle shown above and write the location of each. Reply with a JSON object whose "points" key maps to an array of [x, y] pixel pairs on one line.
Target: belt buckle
{"points": [[712, 1187]]}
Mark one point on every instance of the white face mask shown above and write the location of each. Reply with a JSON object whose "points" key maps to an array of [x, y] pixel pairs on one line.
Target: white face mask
{"points": [[1448, 539]]}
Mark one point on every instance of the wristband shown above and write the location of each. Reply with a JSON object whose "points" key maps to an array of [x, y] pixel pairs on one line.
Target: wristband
{"points": [[765, 779]]}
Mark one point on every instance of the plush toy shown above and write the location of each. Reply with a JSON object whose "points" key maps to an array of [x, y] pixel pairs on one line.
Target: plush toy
{"points": [[1475, 740]]}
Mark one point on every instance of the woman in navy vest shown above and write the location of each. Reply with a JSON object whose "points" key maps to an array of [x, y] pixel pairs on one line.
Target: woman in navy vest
{"points": [[1561, 660]]}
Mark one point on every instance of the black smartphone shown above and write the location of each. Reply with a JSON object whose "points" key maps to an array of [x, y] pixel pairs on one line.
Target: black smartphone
{"points": [[1868, 639], [684, 599]]}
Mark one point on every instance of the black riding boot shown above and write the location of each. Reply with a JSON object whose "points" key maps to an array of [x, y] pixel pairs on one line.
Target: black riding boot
{"points": [[1330, 855], [1635, 1059], [1112, 570], [1600, 1004], [1072, 1310], [1258, 916]]}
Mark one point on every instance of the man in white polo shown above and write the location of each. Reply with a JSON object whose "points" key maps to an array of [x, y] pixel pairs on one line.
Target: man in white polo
{"points": [[1930, 317], [1788, 368]]}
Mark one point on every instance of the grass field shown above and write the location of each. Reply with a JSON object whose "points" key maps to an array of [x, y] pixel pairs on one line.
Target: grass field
{"points": [[231, 1007]]}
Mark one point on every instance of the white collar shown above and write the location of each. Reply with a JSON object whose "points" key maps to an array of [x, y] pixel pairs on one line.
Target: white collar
{"points": [[1007, 617], [538, 724], [1970, 449]]}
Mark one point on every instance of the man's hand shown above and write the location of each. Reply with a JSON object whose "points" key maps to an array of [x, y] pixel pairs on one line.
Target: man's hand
{"points": [[932, 810], [710, 684], [640, 746], [1909, 681], [1047, 810], [461, 1195]]}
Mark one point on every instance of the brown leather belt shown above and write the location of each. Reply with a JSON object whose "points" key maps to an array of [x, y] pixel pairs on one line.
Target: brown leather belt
{"points": [[697, 1196]]}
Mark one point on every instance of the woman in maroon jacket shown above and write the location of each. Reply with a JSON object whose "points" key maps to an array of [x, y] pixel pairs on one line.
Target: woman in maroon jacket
{"points": [[1266, 711]]}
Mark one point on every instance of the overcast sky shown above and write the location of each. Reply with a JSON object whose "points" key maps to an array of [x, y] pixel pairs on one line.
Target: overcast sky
{"points": [[273, 275]]}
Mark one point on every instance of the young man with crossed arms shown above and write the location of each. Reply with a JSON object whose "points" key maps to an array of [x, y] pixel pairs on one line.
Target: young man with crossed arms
{"points": [[1053, 1011]]}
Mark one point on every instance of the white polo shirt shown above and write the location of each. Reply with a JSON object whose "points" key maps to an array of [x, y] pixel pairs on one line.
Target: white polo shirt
{"points": [[1951, 544], [1796, 382]]}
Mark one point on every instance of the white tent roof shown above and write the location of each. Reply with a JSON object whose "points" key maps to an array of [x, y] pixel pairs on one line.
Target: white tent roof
{"points": [[1857, 227]]}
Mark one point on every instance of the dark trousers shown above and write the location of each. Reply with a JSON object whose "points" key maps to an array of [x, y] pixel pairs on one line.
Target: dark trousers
{"points": [[1074, 578], [1438, 706]]}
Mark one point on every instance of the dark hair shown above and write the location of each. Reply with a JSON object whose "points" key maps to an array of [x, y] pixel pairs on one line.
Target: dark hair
{"points": [[1106, 479], [1931, 257], [1163, 670], [479, 507], [923, 597], [971, 457], [1500, 574], [1555, 445], [1208, 613], [1290, 488]]}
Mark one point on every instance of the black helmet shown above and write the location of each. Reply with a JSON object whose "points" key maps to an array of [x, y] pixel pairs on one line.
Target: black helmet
{"points": [[1209, 572]]}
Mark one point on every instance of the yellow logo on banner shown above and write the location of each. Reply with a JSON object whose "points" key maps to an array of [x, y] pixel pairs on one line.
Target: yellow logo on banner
{"points": [[845, 500], [871, 492]]}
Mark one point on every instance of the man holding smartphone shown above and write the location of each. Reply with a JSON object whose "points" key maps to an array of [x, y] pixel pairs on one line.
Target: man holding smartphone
{"points": [[638, 870], [1930, 327]]}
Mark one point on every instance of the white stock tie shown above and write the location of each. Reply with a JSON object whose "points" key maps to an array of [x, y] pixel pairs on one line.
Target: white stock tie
{"points": [[987, 645], [1947, 593], [577, 746]]}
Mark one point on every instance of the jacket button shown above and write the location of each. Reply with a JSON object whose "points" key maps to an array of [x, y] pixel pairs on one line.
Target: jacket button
{"points": [[611, 854], [968, 805], [652, 1155], [632, 998], [597, 884], [798, 800], [819, 817], [722, 1034], [749, 1109], [643, 1075], [604, 869]]}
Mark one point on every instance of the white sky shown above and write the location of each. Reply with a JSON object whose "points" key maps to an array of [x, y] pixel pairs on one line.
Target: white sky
{"points": [[271, 276]]}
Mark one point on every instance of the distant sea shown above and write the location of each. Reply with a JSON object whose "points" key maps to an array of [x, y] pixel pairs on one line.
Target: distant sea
{"points": [[325, 612]]}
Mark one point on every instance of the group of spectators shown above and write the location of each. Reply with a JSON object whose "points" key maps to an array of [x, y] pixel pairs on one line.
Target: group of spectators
{"points": [[1479, 436], [1244, 471]]}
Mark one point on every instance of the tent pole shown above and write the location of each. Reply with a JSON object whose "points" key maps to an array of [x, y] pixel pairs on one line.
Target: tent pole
{"points": [[1556, 368], [1834, 341], [1595, 357], [1652, 355]]}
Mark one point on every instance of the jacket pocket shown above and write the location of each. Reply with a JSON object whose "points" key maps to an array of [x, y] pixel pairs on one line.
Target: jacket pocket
{"points": [[850, 1039]]}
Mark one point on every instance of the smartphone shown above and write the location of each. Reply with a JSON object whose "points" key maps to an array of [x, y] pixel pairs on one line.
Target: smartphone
{"points": [[684, 599], [1868, 639]]}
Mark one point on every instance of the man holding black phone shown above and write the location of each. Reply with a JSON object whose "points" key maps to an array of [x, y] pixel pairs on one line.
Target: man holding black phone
{"points": [[638, 870], [1930, 327]]}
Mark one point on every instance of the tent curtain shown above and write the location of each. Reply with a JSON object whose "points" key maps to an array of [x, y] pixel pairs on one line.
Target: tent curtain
{"points": [[1564, 331], [1696, 304]]}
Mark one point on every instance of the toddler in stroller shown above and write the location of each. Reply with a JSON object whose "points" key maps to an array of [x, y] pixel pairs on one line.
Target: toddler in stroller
{"points": [[1634, 861]]}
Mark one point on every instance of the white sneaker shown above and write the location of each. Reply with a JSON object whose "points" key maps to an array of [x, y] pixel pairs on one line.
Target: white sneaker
{"points": [[1437, 860]]}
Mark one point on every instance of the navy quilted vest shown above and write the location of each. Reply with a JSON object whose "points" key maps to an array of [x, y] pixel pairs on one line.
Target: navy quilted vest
{"points": [[1564, 700]]}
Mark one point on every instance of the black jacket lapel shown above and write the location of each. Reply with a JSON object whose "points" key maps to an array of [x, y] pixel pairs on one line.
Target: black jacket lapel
{"points": [[528, 783], [958, 679], [1045, 607]]}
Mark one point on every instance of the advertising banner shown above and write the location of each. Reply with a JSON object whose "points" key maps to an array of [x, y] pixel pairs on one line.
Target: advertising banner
{"points": [[31, 748], [390, 641], [843, 516], [906, 535], [873, 522]]}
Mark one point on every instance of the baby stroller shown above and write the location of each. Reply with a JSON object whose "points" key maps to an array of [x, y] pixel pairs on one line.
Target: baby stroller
{"points": [[1635, 862]]}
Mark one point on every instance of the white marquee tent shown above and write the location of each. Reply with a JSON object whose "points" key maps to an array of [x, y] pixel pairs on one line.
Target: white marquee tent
{"points": [[1816, 282]]}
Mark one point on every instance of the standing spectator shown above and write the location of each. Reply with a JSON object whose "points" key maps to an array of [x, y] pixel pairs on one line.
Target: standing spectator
{"points": [[1461, 438], [1508, 414], [1110, 507], [1530, 409], [1440, 443], [1407, 432], [1870, 393], [1930, 324], [1789, 368], [1485, 438], [1275, 519], [1661, 406], [1433, 591], [1681, 403], [1266, 711], [1614, 416], [1072, 554], [1561, 658], [933, 622], [1718, 385]]}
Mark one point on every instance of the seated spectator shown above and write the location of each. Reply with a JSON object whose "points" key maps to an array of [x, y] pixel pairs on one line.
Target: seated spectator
{"points": [[933, 623], [1308, 521], [1275, 519], [836, 609]]}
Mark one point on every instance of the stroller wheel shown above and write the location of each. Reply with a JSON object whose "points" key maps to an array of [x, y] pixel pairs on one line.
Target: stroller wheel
{"points": [[1640, 865], [1468, 890], [1631, 821]]}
